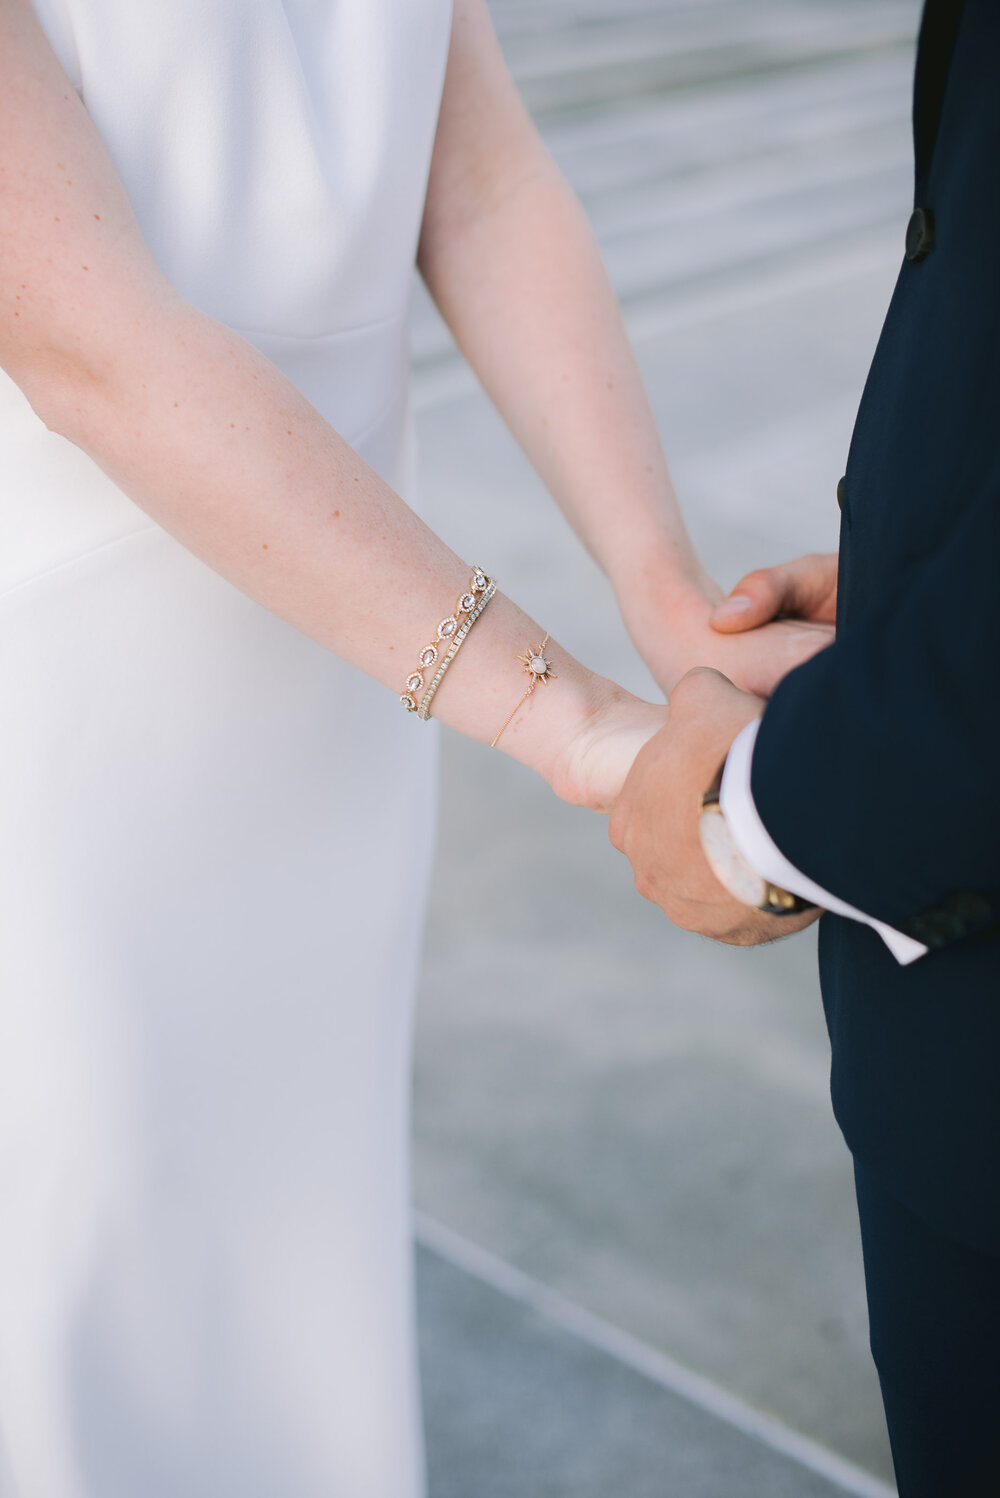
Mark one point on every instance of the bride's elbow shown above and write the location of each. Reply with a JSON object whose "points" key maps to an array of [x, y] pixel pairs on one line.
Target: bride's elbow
{"points": [[59, 390]]}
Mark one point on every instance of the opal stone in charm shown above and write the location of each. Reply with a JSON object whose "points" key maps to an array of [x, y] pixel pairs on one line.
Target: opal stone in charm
{"points": [[536, 666]]}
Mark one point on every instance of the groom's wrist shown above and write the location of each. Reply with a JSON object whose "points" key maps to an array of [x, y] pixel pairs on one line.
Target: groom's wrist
{"points": [[732, 869]]}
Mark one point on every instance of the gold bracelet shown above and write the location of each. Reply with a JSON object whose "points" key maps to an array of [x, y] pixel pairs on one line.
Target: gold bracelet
{"points": [[446, 630], [424, 710], [537, 667]]}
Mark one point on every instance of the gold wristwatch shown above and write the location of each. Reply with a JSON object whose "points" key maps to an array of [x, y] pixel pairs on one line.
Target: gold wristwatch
{"points": [[731, 868]]}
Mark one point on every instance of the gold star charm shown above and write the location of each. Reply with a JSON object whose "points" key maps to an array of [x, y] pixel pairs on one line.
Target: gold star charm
{"points": [[538, 669], [536, 666]]}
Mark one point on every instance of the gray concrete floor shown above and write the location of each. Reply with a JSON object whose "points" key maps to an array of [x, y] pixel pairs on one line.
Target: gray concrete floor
{"points": [[637, 1118], [542, 1411]]}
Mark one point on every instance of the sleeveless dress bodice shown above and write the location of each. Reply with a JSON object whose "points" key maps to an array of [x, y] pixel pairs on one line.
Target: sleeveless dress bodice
{"points": [[215, 837], [275, 153]]}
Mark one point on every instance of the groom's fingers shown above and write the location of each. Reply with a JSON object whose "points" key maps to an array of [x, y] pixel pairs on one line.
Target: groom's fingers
{"points": [[756, 599], [805, 589]]}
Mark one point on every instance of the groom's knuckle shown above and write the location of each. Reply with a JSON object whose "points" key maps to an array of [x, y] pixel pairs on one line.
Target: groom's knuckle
{"points": [[760, 580], [694, 680], [692, 689], [647, 884]]}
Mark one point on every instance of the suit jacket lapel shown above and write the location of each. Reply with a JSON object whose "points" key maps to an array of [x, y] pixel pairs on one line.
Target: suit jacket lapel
{"points": [[937, 40]]}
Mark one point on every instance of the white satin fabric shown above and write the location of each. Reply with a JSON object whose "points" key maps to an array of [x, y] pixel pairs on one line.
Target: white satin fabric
{"points": [[214, 836]]}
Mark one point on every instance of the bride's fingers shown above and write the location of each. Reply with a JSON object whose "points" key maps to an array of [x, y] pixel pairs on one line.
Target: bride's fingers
{"points": [[805, 588]]}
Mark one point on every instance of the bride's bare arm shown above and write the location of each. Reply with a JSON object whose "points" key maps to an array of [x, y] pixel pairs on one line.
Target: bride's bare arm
{"points": [[211, 440], [510, 260]]}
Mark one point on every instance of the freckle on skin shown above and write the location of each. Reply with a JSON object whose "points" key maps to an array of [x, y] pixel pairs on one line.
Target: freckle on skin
{"points": [[98, 217], [264, 547], [176, 403]]}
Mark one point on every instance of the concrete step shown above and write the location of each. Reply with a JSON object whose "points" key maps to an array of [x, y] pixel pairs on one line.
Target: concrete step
{"points": [[743, 175], [571, 57], [833, 104]]}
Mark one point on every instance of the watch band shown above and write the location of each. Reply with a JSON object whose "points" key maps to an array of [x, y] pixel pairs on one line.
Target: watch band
{"points": [[732, 870]]}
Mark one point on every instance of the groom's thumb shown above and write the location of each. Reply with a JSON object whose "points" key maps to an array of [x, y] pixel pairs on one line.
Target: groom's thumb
{"points": [[756, 599]]}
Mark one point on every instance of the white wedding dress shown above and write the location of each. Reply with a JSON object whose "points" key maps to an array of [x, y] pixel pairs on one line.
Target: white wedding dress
{"points": [[214, 836]]}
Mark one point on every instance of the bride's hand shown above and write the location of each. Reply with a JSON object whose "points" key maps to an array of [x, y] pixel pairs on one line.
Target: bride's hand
{"points": [[675, 634], [594, 765]]}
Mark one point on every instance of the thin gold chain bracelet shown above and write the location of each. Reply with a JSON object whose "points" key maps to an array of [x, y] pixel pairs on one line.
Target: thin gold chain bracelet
{"points": [[539, 669]]}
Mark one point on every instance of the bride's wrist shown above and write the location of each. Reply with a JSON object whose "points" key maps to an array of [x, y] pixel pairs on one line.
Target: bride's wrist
{"points": [[590, 768], [663, 579], [556, 719], [665, 617], [668, 606], [537, 704]]}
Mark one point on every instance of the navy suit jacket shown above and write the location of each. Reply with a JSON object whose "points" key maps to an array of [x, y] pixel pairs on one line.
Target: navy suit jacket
{"points": [[877, 766]]}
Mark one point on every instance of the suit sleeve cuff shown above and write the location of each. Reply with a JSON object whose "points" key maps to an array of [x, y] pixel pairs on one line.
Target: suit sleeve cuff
{"points": [[755, 843]]}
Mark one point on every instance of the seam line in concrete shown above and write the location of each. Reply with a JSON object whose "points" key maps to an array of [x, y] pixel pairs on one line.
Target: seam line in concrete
{"points": [[648, 1361]]}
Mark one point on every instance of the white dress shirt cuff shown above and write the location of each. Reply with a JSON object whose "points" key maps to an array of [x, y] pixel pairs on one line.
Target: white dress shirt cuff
{"points": [[754, 842]]}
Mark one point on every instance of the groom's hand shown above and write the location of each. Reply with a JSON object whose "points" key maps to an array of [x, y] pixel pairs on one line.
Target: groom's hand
{"points": [[655, 819], [803, 589]]}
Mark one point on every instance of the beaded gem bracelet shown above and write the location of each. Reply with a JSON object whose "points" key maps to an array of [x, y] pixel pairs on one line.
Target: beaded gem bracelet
{"points": [[451, 631]]}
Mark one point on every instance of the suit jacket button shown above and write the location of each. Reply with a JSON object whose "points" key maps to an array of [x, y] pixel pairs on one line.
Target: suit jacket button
{"points": [[919, 234], [840, 491]]}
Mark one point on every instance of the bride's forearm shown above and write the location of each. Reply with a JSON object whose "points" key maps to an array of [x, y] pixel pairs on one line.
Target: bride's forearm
{"points": [[211, 440], [517, 274], [215, 444]]}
